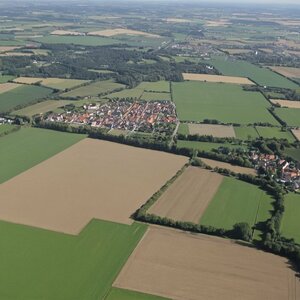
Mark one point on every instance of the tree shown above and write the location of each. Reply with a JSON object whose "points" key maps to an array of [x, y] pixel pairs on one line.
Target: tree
{"points": [[242, 231]]}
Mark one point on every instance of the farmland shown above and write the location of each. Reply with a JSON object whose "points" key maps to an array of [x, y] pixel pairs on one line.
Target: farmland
{"points": [[76, 170], [197, 187], [289, 115], [244, 133], [90, 261], [236, 201], [27, 147], [296, 133], [287, 103], [5, 78], [6, 87], [120, 31], [22, 95], [214, 130], [275, 132], [290, 227], [205, 146], [226, 103], [202, 267], [287, 71], [121, 294]]}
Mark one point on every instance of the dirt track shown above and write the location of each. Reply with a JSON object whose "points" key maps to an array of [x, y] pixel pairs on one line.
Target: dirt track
{"points": [[214, 130], [188, 197], [182, 266], [92, 179], [216, 78]]}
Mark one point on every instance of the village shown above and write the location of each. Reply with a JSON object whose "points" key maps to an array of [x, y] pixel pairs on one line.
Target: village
{"points": [[121, 114]]}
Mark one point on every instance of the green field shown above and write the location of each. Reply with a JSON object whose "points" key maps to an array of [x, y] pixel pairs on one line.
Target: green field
{"points": [[93, 89], [183, 129], [290, 115], [22, 95], [27, 147], [261, 76], [293, 152], [156, 86], [5, 78], [290, 226], [121, 294], [62, 84], [245, 132], [5, 128], [152, 96], [205, 146], [227, 103], [275, 132], [236, 201], [42, 264]]}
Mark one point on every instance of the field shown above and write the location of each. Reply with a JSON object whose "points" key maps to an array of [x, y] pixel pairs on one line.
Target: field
{"points": [[275, 132], [120, 31], [293, 152], [180, 266], [6, 87], [153, 96], [290, 227], [56, 266], [205, 146], [290, 115], [287, 71], [214, 163], [5, 128], [51, 194], [261, 76], [22, 95], [216, 78], [27, 147], [227, 103], [244, 133], [41, 107], [5, 78], [183, 129], [93, 89], [286, 103], [296, 133], [214, 130], [121, 294], [188, 197], [28, 80], [236, 201]]}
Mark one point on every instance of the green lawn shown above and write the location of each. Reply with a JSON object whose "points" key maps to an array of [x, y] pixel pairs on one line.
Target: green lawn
{"points": [[22, 95], [275, 132], [40, 264], [28, 147], [120, 294], [290, 226], [5, 78], [290, 115], [205, 146], [261, 76], [228, 103], [245, 132], [236, 201]]}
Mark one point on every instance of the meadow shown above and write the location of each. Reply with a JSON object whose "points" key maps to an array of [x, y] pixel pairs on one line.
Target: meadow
{"points": [[50, 265], [275, 132], [227, 103], [5, 78], [293, 152], [5, 128], [289, 115], [290, 227], [245, 132], [28, 147], [183, 128], [22, 95], [153, 96]]}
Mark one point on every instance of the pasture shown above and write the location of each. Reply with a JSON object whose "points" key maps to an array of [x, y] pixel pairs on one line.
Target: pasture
{"points": [[50, 265], [245, 132], [94, 89], [5, 128], [6, 78], [227, 103], [22, 95], [214, 130], [188, 197], [293, 152], [183, 129], [289, 115], [50, 195], [290, 227], [154, 96], [28, 147], [204, 267], [274, 132], [236, 201]]}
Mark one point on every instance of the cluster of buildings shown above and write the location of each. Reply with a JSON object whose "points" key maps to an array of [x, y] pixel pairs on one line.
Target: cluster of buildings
{"points": [[285, 172], [122, 114], [6, 121]]}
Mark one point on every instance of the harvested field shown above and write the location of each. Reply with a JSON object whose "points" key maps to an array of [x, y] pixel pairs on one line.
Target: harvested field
{"points": [[286, 103], [237, 51], [214, 130], [216, 78], [217, 23], [7, 48], [5, 87], [16, 54], [92, 179], [177, 20], [188, 197], [28, 80], [119, 31], [203, 267], [214, 163], [296, 133], [66, 32], [287, 71]]}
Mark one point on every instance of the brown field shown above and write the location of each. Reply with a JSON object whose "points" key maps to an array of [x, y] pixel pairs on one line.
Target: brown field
{"points": [[92, 179], [177, 20], [216, 78], [188, 197], [286, 103], [216, 23], [289, 43], [118, 31], [8, 48], [296, 133], [214, 163], [293, 52], [237, 51], [287, 71], [15, 54], [178, 265], [214, 130], [5, 87], [28, 80], [66, 32]]}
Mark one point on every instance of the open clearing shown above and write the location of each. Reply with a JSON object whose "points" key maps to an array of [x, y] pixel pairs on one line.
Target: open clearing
{"points": [[286, 103], [178, 265], [287, 71], [119, 31], [216, 78], [5, 87], [237, 169], [65, 192], [50, 265], [296, 133], [188, 197], [214, 130]]}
